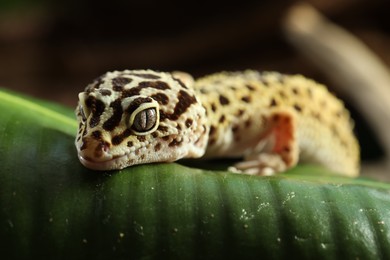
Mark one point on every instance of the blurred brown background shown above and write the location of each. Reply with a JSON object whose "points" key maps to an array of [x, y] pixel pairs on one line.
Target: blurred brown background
{"points": [[52, 49]]}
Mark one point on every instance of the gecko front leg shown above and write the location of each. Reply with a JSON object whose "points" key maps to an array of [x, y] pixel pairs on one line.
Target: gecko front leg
{"points": [[277, 147]]}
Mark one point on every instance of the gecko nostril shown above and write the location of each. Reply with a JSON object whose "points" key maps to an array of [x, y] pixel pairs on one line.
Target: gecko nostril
{"points": [[106, 147], [102, 147]]}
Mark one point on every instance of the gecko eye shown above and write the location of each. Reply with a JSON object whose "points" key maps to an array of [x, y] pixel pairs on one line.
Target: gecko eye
{"points": [[83, 109], [82, 113], [144, 119]]}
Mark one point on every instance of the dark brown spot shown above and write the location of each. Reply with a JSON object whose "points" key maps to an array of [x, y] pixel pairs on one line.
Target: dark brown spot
{"points": [[276, 118], [144, 75], [246, 99], [212, 130], [157, 147], [115, 119], [273, 103], [233, 88], [250, 87], [163, 115], [235, 129], [155, 134], [213, 107], [212, 141], [154, 84], [97, 108], [130, 161], [180, 83], [130, 143], [162, 128], [131, 92], [117, 88], [94, 121], [189, 122], [282, 94], [237, 138], [240, 112], [136, 103], [297, 107], [185, 101], [105, 92], [161, 98], [78, 138], [174, 143], [143, 156], [295, 91], [119, 82], [141, 138], [222, 119], [166, 138], [248, 123], [223, 100], [286, 149], [85, 132], [96, 135], [145, 84], [118, 139]]}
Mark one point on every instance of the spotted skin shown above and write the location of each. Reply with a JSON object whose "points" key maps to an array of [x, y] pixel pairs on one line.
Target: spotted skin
{"points": [[270, 120]]}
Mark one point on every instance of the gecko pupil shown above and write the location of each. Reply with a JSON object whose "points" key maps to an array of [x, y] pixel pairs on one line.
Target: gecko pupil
{"points": [[145, 120]]}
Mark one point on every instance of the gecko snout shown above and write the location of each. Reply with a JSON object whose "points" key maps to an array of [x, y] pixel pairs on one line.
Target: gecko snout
{"points": [[95, 150]]}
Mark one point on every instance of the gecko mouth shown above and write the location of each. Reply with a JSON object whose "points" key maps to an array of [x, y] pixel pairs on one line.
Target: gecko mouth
{"points": [[109, 164]]}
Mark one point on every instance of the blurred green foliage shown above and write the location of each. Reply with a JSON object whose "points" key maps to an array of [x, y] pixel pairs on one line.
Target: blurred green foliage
{"points": [[10, 5]]}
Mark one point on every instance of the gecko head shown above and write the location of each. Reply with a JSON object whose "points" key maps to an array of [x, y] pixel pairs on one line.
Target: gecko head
{"points": [[135, 117]]}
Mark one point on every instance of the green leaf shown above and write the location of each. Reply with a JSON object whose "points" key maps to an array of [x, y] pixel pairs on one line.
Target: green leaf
{"points": [[52, 207]]}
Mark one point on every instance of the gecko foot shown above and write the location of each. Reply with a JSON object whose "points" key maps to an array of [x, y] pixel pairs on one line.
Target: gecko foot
{"points": [[261, 164]]}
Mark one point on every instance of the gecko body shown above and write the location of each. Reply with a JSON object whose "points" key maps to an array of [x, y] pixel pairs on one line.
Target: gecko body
{"points": [[270, 120]]}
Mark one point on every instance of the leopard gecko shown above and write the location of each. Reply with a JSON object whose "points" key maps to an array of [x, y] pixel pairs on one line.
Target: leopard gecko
{"points": [[268, 119]]}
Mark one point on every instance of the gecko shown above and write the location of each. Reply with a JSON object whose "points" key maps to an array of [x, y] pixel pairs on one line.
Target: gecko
{"points": [[271, 121]]}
